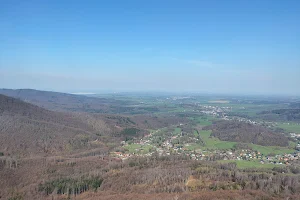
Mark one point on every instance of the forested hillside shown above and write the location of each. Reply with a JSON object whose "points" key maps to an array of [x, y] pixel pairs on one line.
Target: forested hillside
{"points": [[291, 114], [246, 133], [28, 129], [156, 177]]}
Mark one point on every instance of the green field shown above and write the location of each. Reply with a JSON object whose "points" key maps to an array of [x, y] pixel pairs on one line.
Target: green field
{"points": [[266, 150], [196, 133], [250, 110], [243, 164], [193, 146], [177, 131], [204, 121], [290, 127], [137, 148], [215, 143]]}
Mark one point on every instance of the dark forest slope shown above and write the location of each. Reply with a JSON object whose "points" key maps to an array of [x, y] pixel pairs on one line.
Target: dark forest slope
{"points": [[246, 133], [291, 114]]}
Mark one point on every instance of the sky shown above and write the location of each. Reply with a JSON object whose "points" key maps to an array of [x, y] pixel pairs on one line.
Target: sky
{"points": [[212, 46]]}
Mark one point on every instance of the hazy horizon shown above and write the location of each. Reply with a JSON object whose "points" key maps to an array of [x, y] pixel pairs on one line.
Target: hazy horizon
{"points": [[160, 92], [217, 47]]}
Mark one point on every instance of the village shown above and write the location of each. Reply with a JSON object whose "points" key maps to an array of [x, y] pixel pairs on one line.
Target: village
{"points": [[165, 143], [145, 147]]}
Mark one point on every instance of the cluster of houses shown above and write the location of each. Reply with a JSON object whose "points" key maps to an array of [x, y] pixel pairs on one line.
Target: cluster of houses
{"points": [[295, 135], [125, 156], [214, 110], [198, 154], [167, 148]]}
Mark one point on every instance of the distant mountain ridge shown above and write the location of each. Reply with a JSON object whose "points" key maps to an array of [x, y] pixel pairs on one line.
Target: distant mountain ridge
{"points": [[59, 101]]}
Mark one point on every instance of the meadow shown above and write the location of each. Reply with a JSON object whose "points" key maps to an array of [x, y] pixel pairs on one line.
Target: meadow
{"points": [[245, 164], [215, 143], [137, 148], [290, 127]]}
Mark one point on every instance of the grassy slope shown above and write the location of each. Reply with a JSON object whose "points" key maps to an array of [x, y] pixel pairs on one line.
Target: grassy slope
{"points": [[266, 150], [243, 164], [134, 148], [291, 127], [210, 142], [215, 143], [177, 131]]}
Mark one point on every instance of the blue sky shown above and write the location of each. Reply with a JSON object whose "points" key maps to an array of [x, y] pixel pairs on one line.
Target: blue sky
{"points": [[234, 47]]}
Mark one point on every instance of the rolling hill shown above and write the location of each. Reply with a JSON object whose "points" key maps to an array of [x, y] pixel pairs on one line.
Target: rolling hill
{"points": [[61, 101], [236, 131], [27, 129]]}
